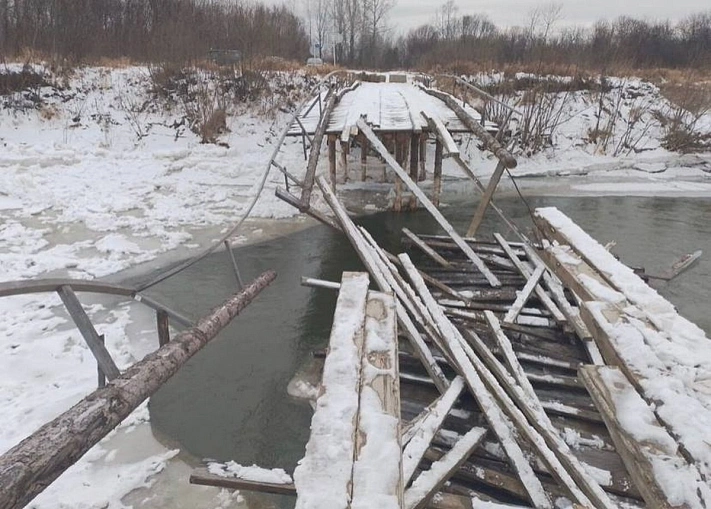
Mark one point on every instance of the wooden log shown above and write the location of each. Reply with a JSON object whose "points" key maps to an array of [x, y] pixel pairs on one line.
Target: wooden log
{"points": [[363, 157], [427, 427], [414, 164], [423, 157], [310, 176], [378, 146], [486, 199], [377, 472], [29, 467], [202, 477], [345, 145], [332, 159], [649, 452], [330, 451], [489, 141], [437, 184], [88, 332], [426, 249], [427, 484]]}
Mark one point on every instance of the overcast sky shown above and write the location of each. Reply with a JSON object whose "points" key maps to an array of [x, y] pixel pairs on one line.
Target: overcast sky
{"points": [[410, 13]]}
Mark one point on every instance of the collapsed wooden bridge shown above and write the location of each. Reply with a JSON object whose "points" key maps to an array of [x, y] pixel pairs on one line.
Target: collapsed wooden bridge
{"points": [[532, 374]]}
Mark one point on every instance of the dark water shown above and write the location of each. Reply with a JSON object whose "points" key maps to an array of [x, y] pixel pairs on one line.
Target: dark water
{"points": [[230, 401]]}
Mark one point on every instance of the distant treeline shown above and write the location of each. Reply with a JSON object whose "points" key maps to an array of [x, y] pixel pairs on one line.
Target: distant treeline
{"points": [[625, 42], [148, 30]]}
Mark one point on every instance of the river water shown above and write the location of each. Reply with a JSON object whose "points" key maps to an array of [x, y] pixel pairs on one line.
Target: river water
{"points": [[230, 401]]}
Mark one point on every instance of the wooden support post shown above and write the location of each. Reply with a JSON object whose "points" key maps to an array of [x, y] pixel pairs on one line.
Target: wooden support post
{"points": [[397, 206], [101, 378], [315, 153], [485, 199], [83, 323], [363, 157], [345, 145], [32, 465], [163, 328], [437, 188], [423, 157], [332, 159], [414, 164]]}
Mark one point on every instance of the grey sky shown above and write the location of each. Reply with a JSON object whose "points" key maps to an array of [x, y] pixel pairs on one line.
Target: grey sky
{"points": [[411, 13]]}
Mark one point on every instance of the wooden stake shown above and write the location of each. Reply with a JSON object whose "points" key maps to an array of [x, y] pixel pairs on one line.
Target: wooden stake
{"points": [[437, 189]]}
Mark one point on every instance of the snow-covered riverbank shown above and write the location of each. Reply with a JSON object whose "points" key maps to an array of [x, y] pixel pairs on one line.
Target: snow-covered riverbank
{"points": [[82, 195]]}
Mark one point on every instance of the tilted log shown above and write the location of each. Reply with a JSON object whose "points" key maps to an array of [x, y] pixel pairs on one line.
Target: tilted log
{"points": [[32, 465]]}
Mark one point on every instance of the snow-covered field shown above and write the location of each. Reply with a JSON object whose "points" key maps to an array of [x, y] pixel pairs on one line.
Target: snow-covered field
{"points": [[91, 186]]}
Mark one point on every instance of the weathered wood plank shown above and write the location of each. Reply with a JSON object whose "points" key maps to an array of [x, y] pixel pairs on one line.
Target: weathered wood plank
{"points": [[428, 482], [499, 422], [324, 476], [202, 477], [650, 454], [486, 199], [426, 249], [380, 148], [377, 472], [88, 332], [437, 126], [427, 427], [316, 151], [524, 295]]}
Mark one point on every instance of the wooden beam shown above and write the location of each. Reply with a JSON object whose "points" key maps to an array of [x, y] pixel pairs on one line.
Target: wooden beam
{"points": [[486, 199], [427, 427], [332, 159], [93, 341], [377, 472], [363, 157], [310, 176], [202, 477], [345, 146], [414, 163], [437, 175], [437, 126], [380, 148], [648, 451], [430, 481], [524, 295], [330, 451], [163, 328], [32, 465], [426, 249]]}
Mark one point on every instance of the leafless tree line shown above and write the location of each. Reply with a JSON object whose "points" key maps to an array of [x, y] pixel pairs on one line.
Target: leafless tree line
{"points": [[626, 41], [148, 30]]}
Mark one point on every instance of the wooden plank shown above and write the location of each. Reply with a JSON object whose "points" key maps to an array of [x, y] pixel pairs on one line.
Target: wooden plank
{"points": [[32, 465], [499, 422], [369, 260], [202, 477], [426, 249], [316, 151], [88, 332], [380, 148], [330, 451], [377, 472], [427, 483], [524, 295], [443, 135], [426, 428], [486, 199], [332, 159], [527, 273], [649, 452]]}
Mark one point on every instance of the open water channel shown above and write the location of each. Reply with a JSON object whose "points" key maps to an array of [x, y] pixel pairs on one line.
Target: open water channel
{"points": [[230, 401]]}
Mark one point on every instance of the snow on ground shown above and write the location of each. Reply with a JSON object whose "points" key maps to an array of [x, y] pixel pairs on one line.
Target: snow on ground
{"points": [[101, 179]]}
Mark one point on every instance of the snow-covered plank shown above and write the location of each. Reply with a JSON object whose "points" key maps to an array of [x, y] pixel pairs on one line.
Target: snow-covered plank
{"points": [[428, 427], [664, 478], [323, 477], [377, 472], [435, 124], [664, 356], [237, 477], [428, 482], [405, 177]]}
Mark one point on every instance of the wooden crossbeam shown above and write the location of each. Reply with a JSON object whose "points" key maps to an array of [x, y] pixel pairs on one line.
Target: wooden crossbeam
{"points": [[88, 332], [426, 249]]}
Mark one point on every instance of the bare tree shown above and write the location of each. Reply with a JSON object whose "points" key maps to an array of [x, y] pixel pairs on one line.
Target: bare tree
{"points": [[446, 20], [375, 14]]}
